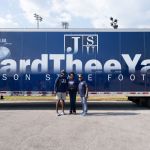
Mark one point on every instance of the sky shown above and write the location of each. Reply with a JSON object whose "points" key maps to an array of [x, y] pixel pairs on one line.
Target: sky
{"points": [[79, 13]]}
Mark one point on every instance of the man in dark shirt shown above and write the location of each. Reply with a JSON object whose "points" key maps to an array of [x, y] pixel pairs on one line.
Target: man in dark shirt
{"points": [[60, 88], [72, 88], [83, 92]]}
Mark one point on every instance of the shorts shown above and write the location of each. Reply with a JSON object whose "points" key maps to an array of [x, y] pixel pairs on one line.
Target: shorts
{"points": [[61, 95]]}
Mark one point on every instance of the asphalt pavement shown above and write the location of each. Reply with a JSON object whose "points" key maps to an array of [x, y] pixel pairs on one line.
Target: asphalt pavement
{"points": [[108, 125]]}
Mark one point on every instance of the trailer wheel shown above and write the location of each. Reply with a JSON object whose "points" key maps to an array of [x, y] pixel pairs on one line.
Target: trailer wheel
{"points": [[143, 102], [148, 103], [134, 100], [137, 102]]}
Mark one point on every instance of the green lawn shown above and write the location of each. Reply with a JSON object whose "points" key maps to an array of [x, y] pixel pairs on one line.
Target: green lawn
{"points": [[52, 98]]}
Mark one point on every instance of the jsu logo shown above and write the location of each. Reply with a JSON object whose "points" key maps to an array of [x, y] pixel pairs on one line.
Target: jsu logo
{"points": [[87, 43]]}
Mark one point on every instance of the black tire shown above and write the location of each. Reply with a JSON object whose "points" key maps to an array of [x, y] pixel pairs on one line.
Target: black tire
{"points": [[148, 103], [134, 100], [143, 102]]}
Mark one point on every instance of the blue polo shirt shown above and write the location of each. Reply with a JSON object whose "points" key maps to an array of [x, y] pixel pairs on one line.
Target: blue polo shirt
{"points": [[82, 88]]}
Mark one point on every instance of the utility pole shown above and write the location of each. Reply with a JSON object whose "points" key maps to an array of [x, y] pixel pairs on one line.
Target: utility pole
{"points": [[38, 18]]}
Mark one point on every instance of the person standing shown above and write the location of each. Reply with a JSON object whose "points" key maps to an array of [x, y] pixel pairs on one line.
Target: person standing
{"points": [[72, 88], [83, 92], [60, 88]]}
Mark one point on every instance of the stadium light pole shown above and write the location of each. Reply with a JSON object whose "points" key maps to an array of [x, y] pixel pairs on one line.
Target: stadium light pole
{"points": [[38, 18], [65, 25], [114, 23]]}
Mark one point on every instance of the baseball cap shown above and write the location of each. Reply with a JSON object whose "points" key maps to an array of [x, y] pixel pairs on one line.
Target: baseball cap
{"points": [[62, 72], [80, 76]]}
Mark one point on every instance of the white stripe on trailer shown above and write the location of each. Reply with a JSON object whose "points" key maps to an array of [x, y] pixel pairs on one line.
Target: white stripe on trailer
{"points": [[48, 93]]}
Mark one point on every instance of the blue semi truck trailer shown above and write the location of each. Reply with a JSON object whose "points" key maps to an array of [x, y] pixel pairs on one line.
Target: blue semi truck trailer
{"points": [[111, 61]]}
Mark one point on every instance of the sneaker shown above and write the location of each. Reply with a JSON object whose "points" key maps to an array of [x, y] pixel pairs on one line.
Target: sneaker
{"points": [[70, 113], [58, 114], [84, 114], [62, 113]]}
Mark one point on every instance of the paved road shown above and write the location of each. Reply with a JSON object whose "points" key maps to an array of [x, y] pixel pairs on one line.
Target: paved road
{"points": [[112, 125]]}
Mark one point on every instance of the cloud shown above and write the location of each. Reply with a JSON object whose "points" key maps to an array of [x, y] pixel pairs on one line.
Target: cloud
{"points": [[49, 10], [8, 21], [131, 14], [31, 7]]}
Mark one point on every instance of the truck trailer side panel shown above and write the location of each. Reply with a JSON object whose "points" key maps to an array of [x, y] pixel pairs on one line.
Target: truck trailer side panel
{"points": [[110, 61]]}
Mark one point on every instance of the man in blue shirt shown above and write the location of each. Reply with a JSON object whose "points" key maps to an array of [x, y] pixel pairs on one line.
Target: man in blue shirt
{"points": [[83, 92], [60, 88]]}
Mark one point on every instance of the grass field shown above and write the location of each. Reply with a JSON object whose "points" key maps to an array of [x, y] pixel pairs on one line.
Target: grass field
{"points": [[52, 98]]}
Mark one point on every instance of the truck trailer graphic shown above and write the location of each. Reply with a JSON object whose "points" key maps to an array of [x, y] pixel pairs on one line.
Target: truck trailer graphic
{"points": [[111, 61]]}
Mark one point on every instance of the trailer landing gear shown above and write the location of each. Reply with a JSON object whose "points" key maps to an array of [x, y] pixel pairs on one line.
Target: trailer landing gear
{"points": [[2, 97]]}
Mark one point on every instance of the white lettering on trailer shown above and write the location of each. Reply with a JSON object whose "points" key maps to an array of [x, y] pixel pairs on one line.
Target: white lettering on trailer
{"points": [[145, 63], [143, 76], [16, 76], [132, 77], [131, 63], [40, 63], [27, 77], [76, 40], [57, 58], [109, 77], [48, 77], [24, 64], [70, 64], [4, 77], [8, 65], [120, 77], [93, 65], [3, 40], [90, 66], [112, 66], [90, 77]]}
